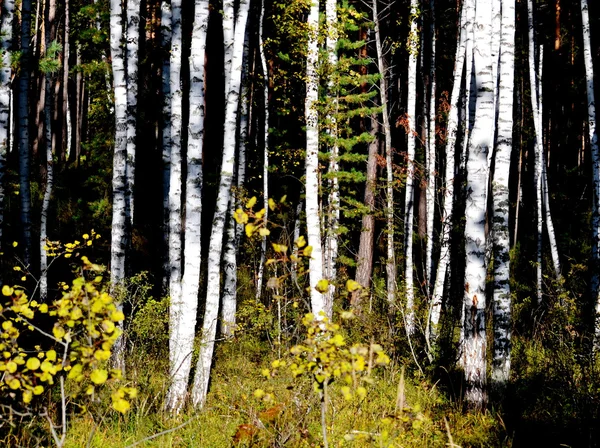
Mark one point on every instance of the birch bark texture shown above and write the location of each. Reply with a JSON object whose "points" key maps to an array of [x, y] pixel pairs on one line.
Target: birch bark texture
{"points": [[186, 309], [118, 228], [176, 356], [473, 356], [500, 191], [432, 330], [593, 136], [6, 21], [311, 114], [411, 110], [213, 294]]}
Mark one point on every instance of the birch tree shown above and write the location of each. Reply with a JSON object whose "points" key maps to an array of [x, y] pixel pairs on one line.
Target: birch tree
{"points": [[186, 308], [118, 232], [431, 150], [593, 137], [132, 48], [166, 133], [49, 65], [209, 325], [234, 230], [332, 216], [176, 355], [473, 356], [411, 110], [311, 115], [539, 150], [500, 191], [449, 177], [265, 144], [6, 21]]}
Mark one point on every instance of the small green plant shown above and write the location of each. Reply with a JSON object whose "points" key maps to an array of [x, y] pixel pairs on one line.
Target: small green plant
{"points": [[73, 338], [324, 356]]}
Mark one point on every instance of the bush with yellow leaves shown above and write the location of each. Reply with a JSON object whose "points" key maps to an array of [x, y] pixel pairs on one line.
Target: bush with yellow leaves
{"points": [[75, 333]]}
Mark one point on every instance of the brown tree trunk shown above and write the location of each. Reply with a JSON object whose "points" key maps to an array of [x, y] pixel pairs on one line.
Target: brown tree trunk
{"points": [[364, 260]]}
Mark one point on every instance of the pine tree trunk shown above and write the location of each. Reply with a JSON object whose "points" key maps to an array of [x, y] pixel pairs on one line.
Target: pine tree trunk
{"points": [[5, 98], [211, 313], [449, 176], [480, 142], [500, 190], [177, 358], [411, 109], [313, 224], [23, 125], [364, 260]]}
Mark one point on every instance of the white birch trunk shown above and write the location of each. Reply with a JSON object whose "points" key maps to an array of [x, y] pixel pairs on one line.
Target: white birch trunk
{"points": [[234, 230], [132, 46], [209, 325], [534, 89], [387, 130], [593, 136], [166, 132], [333, 213], [469, 102], [188, 305], [473, 356], [500, 190], [5, 98], [263, 243], [228, 36], [448, 197], [177, 358], [313, 224], [118, 235], [23, 125], [411, 109], [49, 17], [431, 153]]}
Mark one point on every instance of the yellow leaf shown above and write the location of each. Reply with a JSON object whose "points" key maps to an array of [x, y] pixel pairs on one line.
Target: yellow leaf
{"points": [[7, 291], [251, 202], [51, 355], [58, 332], [121, 405], [33, 364], [99, 376], [7, 325], [322, 285], [308, 251], [361, 392], [101, 355], [14, 384], [301, 242], [23, 278], [11, 366], [15, 244], [264, 232], [85, 236], [27, 396], [352, 285], [117, 316], [249, 229], [271, 204], [37, 390], [259, 393]]}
